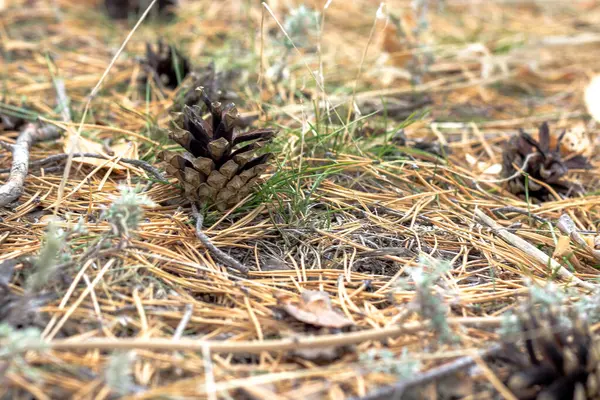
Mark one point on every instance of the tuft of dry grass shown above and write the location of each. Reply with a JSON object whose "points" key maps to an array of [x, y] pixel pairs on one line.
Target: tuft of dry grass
{"points": [[347, 211]]}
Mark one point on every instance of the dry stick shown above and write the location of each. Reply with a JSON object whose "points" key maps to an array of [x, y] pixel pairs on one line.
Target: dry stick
{"points": [[532, 251], [137, 163], [251, 346], [13, 188], [31, 133], [397, 390], [7, 146], [219, 254]]}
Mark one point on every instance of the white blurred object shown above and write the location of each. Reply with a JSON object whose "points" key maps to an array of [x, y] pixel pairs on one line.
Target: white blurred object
{"points": [[592, 98]]}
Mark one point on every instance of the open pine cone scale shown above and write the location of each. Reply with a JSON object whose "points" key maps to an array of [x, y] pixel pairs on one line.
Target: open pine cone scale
{"points": [[219, 165]]}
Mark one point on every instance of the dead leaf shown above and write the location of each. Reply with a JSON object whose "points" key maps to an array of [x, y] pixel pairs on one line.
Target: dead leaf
{"points": [[314, 308], [126, 150], [51, 218], [567, 226], [396, 42], [84, 145], [564, 249], [484, 168]]}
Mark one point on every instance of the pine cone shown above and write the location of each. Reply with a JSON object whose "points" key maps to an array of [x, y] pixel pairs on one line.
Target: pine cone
{"points": [[121, 9], [161, 65], [543, 164], [215, 168], [213, 82], [560, 362]]}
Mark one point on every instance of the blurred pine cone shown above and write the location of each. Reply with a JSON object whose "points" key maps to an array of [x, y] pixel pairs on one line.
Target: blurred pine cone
{"points": [[543, 164], [560, 361], [215, 168], [214, 83], [121, 9], [166, 66]]}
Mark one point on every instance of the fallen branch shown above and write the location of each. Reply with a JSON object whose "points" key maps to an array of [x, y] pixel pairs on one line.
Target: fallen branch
{"points": [[532, 251], [31, 133], [155, 172], [218, 254], [251, 346]]}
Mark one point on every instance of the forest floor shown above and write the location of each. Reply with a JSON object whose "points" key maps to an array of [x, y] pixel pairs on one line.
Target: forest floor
{"points": [[375, 255]]}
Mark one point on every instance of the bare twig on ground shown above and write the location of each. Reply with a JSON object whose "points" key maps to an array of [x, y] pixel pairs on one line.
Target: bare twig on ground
{"points": [[13, 188], [219, 254], [7, 146], [532, 251], [30, 134], [397, 390], [136, 163], [252, 346]]}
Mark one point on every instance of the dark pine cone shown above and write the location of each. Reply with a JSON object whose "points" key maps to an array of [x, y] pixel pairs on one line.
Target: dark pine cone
{"points": [[559, 362], [544, 164], [122, 9], [213, 82], [166, 65], [219, 165]]}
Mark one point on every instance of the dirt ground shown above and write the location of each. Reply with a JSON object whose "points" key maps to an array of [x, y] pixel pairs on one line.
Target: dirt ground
{"points": [[384, 244]]}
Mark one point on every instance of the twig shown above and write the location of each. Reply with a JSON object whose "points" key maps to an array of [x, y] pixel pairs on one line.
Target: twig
{"points": [[30, 134], [13, 188], [397, 390], [6, 145], [137, 163], [532, 251], [252, 346], [219, 254]]}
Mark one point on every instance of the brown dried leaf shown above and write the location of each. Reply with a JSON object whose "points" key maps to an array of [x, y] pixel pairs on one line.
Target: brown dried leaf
{"points": [[315, 309], [567, 226], [396, 39], [83, 145], [563, 247]]}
